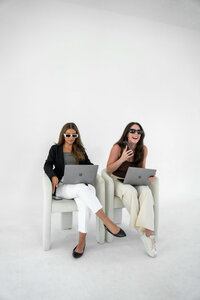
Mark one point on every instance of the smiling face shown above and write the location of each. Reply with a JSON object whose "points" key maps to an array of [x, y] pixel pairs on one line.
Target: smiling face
{"points": [[70, 140], [133, 138]]}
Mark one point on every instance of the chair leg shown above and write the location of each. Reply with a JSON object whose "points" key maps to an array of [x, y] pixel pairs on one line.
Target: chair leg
{"points": [[117, 220], [118, 215], [109, 237], [66, 220], [100, 231], [46, 231], [156, 222]]}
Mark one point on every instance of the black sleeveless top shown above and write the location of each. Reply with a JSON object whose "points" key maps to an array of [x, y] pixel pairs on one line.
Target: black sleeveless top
{"points": [[121, 171]]}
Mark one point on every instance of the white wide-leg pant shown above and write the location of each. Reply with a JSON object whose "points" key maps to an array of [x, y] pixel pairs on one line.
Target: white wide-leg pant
{"points": [[85, 198], [139, 202]]}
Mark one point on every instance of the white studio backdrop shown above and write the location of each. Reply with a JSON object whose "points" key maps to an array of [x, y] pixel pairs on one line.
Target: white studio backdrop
{"points": [[62, 62]]}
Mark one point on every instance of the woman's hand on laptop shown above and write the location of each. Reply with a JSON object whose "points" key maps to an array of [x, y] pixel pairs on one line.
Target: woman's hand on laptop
{"points": [[151, 178], [54, 180]]}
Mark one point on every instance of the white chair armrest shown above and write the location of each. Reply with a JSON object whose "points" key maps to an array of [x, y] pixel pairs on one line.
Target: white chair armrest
{"points": [[47, 190], [154, 186], [109, 194], [100, 193], [100, 190], [47, 205]]}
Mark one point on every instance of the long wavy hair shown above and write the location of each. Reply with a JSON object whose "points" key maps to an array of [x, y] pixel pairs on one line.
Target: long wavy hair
{"points": [[139, 150], [78, 149]]}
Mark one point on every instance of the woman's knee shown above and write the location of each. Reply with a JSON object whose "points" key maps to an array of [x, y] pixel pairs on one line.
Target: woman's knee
{"points": [[83, 189], [145, 191], [130, 191]]}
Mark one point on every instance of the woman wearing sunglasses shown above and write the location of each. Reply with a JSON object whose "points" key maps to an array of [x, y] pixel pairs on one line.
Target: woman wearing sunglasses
{"points": [[70, 150], [130, 151]]}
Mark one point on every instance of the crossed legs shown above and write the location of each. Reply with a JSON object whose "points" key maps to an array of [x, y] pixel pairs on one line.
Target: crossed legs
{"points": [[86, 201]]}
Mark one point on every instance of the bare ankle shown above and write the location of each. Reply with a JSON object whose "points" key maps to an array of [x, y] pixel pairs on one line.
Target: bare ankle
{"points": [[148, 232]]}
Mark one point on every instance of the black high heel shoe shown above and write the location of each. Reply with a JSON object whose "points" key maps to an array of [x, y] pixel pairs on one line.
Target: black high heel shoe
{"points": [[76, 254], [121, 232]]}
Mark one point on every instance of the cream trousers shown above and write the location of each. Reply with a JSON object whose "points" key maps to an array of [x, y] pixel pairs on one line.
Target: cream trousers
{"points": [[139, 202], [85, 198]]}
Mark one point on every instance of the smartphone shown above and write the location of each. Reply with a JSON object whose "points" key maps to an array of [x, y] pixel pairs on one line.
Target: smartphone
{"points": [[56, 197], [125, 143]]}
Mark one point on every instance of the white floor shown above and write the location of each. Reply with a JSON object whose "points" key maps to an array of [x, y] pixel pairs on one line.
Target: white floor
{"points": [[117, 270]]}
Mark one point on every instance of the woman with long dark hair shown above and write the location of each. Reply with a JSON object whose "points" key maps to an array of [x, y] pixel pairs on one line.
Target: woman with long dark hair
{"points": [[70, 150], [130, 151]]}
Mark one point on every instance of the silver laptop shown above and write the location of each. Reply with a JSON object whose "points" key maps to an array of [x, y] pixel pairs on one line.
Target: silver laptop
{"points": [[80, 174], [138, 176]]}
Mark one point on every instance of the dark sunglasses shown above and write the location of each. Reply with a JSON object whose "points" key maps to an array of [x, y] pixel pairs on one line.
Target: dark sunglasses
{"points": [[68, 135], [139, 131]]}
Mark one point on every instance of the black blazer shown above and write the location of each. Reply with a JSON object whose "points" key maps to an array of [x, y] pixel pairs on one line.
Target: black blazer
{"points": [[54, 165]]}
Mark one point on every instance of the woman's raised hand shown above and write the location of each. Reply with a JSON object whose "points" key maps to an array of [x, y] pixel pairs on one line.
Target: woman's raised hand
{"points": [[126, 154], [54, 180]]}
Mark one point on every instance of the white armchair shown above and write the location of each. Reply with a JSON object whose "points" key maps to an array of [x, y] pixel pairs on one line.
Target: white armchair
{"points": [[66, 208], [114, 205]]}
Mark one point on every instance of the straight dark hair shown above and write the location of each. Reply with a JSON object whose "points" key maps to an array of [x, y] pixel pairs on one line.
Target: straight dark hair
{"points": [[78, 149], [139, 150]]}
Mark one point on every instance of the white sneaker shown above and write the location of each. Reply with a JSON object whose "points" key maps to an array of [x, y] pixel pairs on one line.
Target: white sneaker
{"points": [[149, 244]]}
